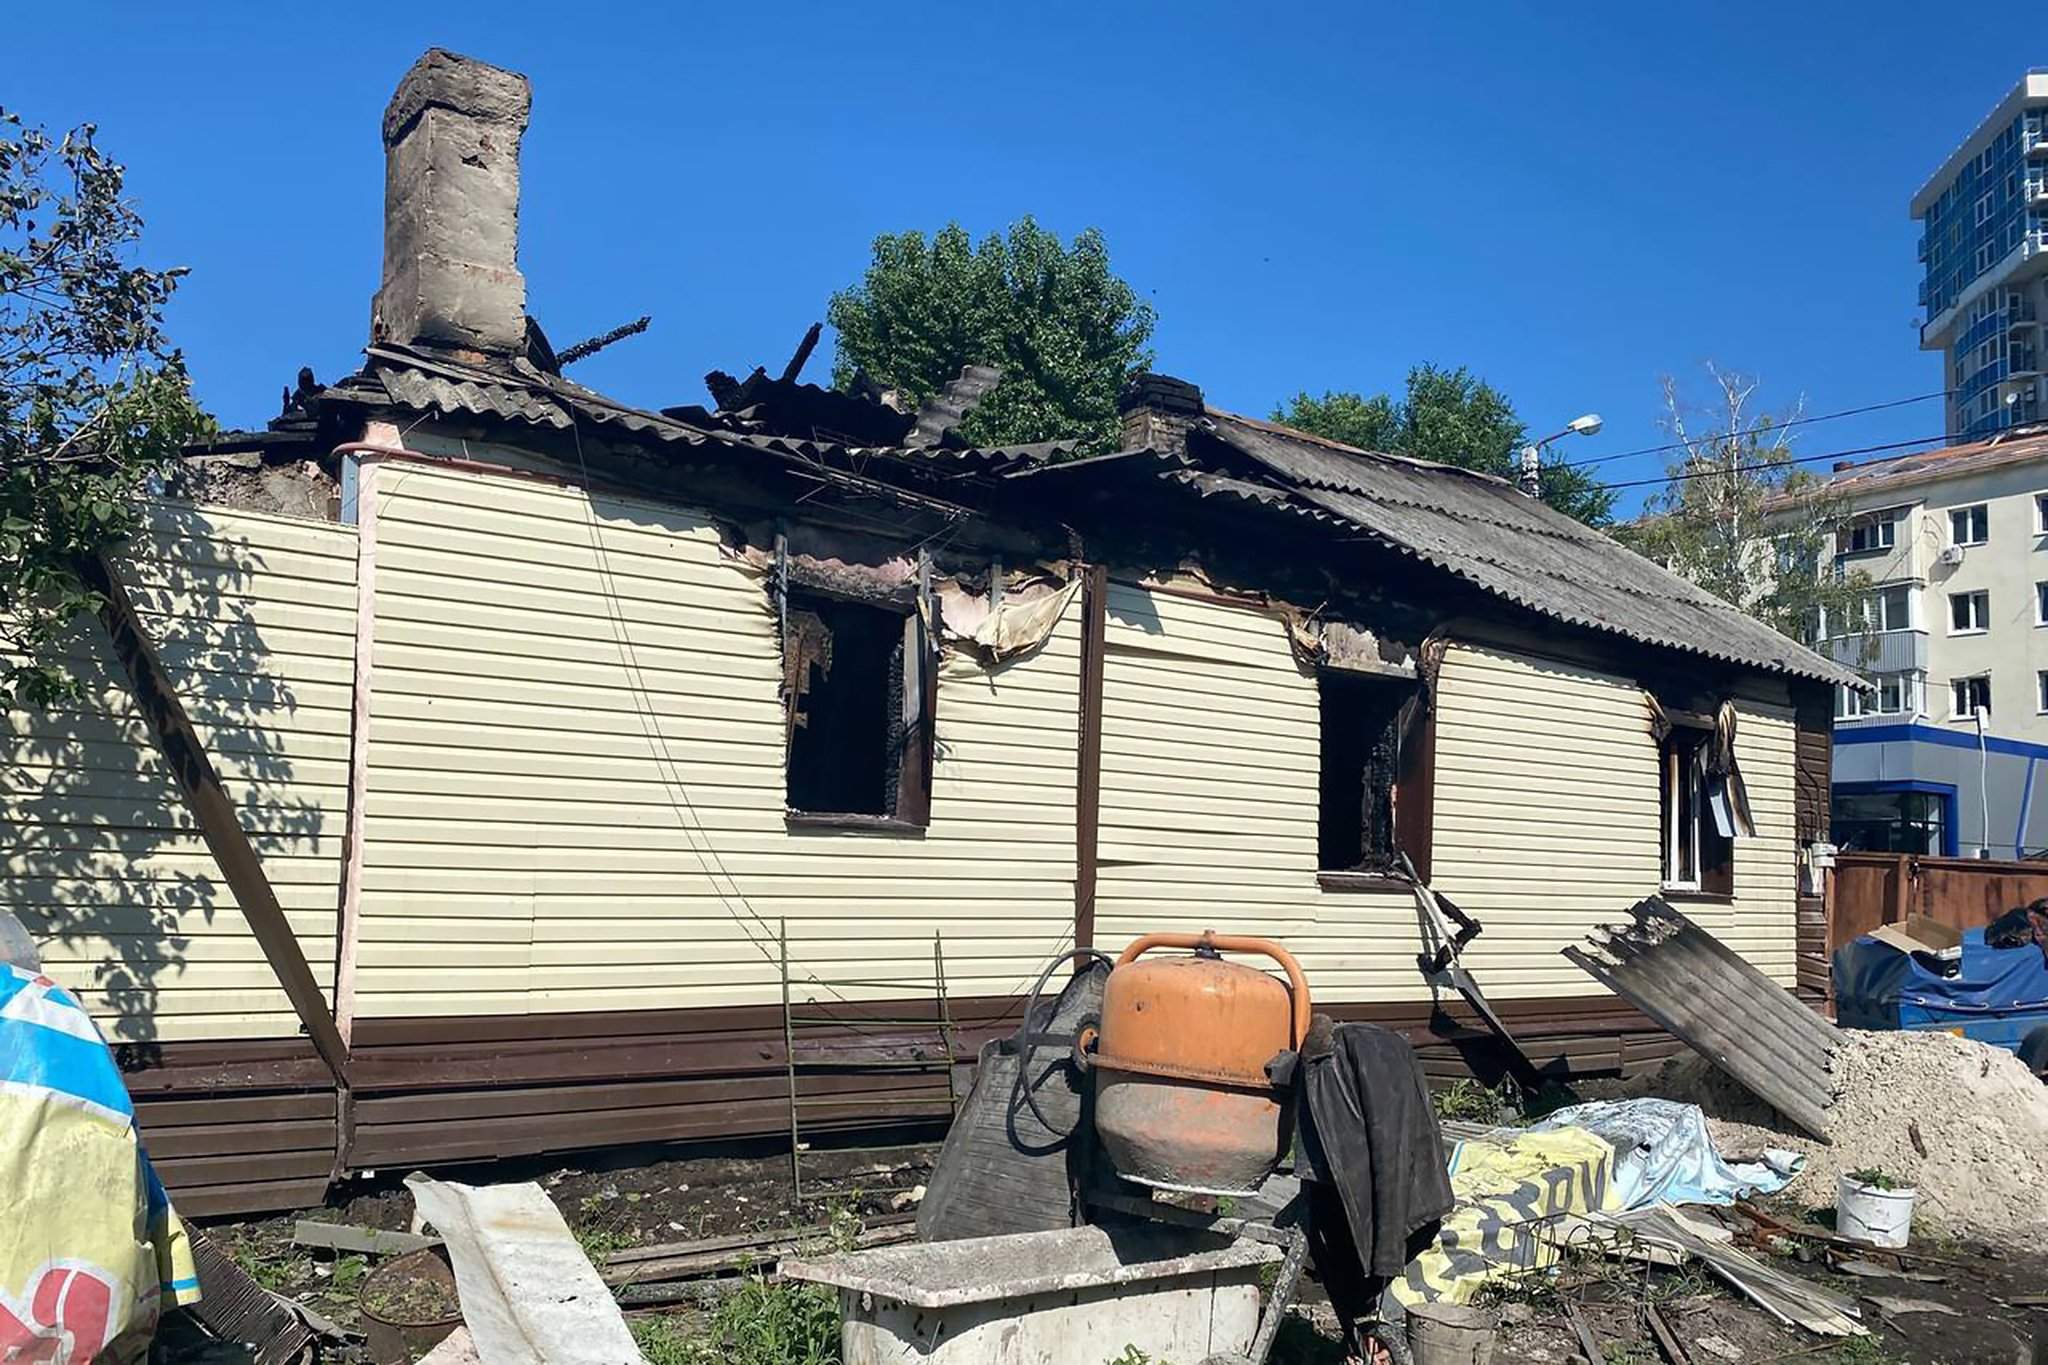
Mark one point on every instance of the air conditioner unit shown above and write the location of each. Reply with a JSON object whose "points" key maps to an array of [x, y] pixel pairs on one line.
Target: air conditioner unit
{"points": [[1951, 554]]}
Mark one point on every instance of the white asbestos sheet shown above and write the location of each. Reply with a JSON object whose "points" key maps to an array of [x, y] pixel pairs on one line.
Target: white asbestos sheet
{"points": [[529, 1294]]}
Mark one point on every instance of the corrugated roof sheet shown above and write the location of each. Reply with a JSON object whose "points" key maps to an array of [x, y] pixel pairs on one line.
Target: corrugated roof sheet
{"points": [[1904, 471], [1699, 990], [1487, 533], [1468, 524]]}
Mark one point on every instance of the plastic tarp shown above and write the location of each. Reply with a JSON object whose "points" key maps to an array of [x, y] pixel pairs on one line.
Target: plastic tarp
{"points": [[1999, 996], [90, 1249], [1663, 1154], [1514, 1192]]}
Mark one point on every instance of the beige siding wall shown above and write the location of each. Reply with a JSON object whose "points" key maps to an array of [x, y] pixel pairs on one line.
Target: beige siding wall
{"points": [[1546, 819], [576, 790], [255, 616], [576, 784]]}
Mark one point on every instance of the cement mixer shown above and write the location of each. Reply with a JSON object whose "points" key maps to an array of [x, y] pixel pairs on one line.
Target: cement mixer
{"points": [[1184, 1099]]}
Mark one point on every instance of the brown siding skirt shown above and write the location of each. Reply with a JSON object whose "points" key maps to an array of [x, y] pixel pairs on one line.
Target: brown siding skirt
{"points": [[251, 1127]]}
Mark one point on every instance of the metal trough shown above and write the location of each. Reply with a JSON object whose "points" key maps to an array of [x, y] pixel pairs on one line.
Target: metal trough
{"points": [[1047, 1298]]}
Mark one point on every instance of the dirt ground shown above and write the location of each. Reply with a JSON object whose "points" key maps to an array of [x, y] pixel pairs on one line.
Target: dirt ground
{"points": [[612, 1201], [628, 1200]]}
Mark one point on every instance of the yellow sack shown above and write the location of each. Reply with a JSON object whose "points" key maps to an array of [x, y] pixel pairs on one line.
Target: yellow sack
{"points": [[1510, 1197]]}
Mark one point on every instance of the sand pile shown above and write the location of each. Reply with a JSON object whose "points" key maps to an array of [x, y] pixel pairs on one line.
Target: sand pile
{"points": [[1980, 1114]]}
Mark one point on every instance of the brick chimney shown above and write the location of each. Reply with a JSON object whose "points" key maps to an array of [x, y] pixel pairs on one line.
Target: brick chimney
{"points": [[451, 208], [1157, 411]]}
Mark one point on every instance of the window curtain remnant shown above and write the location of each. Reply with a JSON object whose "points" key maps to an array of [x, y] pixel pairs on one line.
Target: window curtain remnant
{"points": [[1727, 795], [1019, 623], [806, 645], [1719, 774]]}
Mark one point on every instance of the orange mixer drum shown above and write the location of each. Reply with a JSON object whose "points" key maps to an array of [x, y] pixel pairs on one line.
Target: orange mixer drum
{"points": [[1182, 1101]]}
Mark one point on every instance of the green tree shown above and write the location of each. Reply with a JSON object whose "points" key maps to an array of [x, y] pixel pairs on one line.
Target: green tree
{"points": [[1452, 417], [1743, 520], [1065, 329], [93, 400]]}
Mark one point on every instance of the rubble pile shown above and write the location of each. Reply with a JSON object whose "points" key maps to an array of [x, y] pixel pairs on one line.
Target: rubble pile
{"points": [[1965, 1123]]}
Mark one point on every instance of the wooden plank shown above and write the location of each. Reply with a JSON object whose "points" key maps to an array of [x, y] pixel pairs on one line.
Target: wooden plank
{"points": [[369, 1241], [222, 1200], [1088, 755], [260, 1166], [157, 1114], [186, 757], [249, 1138], [352, 847]]}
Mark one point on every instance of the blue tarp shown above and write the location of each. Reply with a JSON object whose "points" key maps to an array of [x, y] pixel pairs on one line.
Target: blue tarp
{"points": [[1664, 1154], [1999, 996]]}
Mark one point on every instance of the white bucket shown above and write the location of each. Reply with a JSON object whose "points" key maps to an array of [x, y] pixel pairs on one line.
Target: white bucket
{"points": [[1883, 1218]]}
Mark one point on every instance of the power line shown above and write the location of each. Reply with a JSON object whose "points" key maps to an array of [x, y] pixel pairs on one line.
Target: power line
{"points": [[1770, 464], [1731, 435]]}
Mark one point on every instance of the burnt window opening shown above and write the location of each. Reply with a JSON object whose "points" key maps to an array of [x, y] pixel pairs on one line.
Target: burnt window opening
{"points": [[1370, 760], [857, 687], [1698, 838]]}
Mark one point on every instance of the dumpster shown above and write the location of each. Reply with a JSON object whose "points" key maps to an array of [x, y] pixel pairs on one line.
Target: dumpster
{"points": [[1998, 996]]}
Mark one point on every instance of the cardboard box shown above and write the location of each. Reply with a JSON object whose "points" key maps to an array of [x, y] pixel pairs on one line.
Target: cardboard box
{"points": [[1922, 934]]}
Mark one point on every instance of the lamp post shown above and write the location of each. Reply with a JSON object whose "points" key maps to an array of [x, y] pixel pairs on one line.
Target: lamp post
{"points": [[1532, 455]]}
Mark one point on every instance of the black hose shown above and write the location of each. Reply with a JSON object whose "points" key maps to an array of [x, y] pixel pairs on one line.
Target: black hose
{"points": [[1026, 1040]]}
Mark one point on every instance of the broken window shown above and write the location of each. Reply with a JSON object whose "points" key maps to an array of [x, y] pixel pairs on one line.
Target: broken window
{"points": [[1373, 795], [858, 683], [1699, 815]]}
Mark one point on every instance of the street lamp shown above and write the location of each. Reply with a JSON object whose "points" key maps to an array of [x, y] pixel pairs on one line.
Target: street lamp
{"points": [[1532, 455]]}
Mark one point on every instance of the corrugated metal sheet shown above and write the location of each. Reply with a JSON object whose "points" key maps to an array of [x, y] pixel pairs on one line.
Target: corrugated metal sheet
{"points": [[255, 618], [1481, 529], [576, 771], [1724, 1008]]}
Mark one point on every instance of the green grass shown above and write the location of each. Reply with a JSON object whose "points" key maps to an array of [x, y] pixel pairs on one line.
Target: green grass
{"points": [[348, 1273], [1467, 1101], [600, 1230], [757, 1324], [272, 1274]]}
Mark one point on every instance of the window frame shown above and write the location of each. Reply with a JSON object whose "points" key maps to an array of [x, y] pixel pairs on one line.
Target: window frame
{"points": [[1982, 619], [2041, 692], [1975, 519], [1411, 792], [1954, 692], [915, 659], [1681, 771], [1884, 526], [2041, 602], [2041, 514]]}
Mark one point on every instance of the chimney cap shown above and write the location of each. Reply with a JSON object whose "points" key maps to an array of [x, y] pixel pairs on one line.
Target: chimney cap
{"points": [[1161, 392], [449, 80]]}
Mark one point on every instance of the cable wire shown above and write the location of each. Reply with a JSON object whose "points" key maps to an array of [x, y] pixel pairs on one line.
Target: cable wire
{"points": [[1724, 470], [1733, 435]]}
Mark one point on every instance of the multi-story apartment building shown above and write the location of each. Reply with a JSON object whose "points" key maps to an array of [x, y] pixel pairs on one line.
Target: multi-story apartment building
{"points": [[1985, 248], [1949, 753]]}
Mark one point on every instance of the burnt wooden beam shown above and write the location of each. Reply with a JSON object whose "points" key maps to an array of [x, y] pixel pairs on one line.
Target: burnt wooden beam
{"points": [[1088, 758], [803, 353], [214, 809]]}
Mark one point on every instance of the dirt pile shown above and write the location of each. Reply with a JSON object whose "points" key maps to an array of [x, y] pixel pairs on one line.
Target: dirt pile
{"points": [[1981, 1161]]}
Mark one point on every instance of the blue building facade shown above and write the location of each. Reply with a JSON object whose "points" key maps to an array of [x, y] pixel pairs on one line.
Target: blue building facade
{"points": [[1984, 249]]}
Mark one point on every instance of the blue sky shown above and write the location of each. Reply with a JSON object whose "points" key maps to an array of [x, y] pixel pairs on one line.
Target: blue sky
{"points": [[1571, 200]]}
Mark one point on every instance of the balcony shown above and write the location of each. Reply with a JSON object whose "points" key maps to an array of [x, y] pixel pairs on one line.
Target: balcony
{"points": [[2020, 313], [2022, 362], [1891, 651]]}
